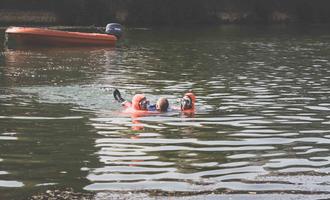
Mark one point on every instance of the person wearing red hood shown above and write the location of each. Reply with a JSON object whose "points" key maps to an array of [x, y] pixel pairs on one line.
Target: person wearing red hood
{"points": [[140, 103], [188, 101]]}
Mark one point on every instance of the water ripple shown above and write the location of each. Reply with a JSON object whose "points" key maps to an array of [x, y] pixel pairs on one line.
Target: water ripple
{"points": [[261, 122]]}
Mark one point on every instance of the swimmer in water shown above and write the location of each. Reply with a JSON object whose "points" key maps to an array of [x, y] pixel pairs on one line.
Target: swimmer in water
{"points": [[140, 103], [162, 104], [188, 101], [140, 106]]}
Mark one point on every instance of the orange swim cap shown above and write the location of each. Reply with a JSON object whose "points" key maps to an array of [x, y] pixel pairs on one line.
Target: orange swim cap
{"points": [[136, 101], [188, 101], [191, 96]]}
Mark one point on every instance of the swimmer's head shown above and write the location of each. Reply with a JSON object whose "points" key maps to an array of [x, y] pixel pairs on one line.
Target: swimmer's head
{"points": [[188, 101], [162, 104], [140, 102]]}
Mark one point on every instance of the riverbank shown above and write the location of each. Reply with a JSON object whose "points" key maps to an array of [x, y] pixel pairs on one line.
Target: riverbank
{"points": [[9, 17], [69, 194], [164, 12]]}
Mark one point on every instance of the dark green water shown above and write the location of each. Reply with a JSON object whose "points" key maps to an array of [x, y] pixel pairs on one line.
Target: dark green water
{"points": [[262, 122]]}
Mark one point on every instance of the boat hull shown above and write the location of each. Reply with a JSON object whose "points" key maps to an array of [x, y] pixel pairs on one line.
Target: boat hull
{"points": [[48, 37]]}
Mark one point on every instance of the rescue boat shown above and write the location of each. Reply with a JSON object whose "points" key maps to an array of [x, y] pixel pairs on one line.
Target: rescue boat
{"points": [[47, 37]]}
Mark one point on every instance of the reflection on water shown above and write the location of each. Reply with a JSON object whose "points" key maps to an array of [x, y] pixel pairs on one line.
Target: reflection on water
{"points": [[262, 119]]}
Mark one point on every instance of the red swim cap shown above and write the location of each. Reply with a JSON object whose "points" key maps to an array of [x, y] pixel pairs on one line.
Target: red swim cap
{"points": [[191, 96], [136, 100], [188, 101]]}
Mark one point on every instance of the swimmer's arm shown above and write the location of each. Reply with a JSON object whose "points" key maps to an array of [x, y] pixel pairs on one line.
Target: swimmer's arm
{"points": [[126, 104]]}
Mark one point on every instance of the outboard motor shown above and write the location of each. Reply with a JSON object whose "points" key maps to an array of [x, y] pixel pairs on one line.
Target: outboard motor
{"points": [[114, 29]]}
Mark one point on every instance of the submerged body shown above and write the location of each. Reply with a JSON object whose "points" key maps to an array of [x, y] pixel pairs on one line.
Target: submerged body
{"points": [[141, 105]]}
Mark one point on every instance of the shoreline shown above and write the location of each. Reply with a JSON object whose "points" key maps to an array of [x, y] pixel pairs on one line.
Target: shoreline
{"points": [[160, 12], [159, 195]]}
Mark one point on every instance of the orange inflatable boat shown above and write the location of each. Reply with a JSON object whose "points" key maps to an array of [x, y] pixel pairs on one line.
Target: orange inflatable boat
{"points": [[48, 37]]}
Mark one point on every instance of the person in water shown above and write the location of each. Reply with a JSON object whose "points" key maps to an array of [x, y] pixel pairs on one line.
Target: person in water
{"points": [[162, 104], [141, 103], [188, 102]]}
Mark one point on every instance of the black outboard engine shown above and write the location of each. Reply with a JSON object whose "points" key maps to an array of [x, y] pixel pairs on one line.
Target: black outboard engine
{"points": [[114, 29]]}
